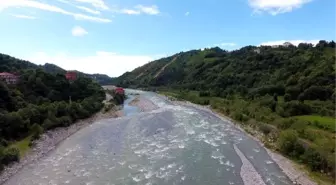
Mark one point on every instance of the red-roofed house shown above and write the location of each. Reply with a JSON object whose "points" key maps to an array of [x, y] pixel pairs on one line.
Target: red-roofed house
{"points": [[71, 75], [9, 78], [119, 90]]}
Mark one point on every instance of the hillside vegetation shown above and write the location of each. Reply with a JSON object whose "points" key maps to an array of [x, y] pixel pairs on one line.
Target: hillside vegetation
{"points": [[285, 93], [39, 102], [11, 64]]}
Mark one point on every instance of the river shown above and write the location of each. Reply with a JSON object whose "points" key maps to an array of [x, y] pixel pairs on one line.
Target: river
{"points": [[173, 144]]}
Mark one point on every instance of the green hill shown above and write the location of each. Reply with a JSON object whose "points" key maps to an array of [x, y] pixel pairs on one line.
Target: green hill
{"points": [[257, 70], [287, 93], [294, 73]]}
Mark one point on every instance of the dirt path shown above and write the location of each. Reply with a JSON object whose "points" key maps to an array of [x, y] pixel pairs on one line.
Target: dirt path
{"points": [[163, 68]]}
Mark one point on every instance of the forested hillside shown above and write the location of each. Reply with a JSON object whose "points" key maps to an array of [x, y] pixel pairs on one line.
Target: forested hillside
{"points": [[11, 64], [40, 101], [296, 73], [287, 93]]}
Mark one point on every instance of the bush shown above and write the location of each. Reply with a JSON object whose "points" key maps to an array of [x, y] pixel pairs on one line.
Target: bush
{"points": [[284, 123], [315, 160], [47, 124], [287, 97], [36, 130], [240, 117], [64, 121], [11, 154], [204, 94], [288, 143], [295, 108], [3, 142], [316, 93], [266, 129], [119, 99]]}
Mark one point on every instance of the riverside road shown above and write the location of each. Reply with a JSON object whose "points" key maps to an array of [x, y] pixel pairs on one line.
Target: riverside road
{"points": [[172, 144]]}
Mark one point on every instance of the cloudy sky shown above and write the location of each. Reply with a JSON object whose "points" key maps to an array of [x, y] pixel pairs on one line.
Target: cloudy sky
{"points": [[115, 36]]}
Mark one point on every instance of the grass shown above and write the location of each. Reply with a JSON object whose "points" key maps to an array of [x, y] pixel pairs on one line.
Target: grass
{"points": [[23, 145], [322, 122]]}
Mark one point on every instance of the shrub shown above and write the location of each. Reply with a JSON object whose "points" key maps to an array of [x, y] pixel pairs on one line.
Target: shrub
{"points": [[316, 93], [240, 117], [36, 130], [284, 123], [315, 160], [3, 142], [252, 122], [265, 128], [119, 99], [287, 97], [64, 121], [288, 143], [294, 108], [204, 94], [11, 154], [47, 124]]}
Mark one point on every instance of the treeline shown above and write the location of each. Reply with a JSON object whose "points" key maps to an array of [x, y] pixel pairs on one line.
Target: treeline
{"points": [[41, 101]]}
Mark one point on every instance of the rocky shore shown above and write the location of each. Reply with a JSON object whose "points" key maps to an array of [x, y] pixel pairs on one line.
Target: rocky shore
{"points": [[50, 139]]}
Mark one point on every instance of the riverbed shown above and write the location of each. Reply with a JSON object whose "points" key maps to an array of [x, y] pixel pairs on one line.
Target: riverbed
{"points": [[165, 144]]}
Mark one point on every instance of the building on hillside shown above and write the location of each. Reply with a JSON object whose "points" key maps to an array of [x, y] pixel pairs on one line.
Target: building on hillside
{"points": [[257, 50], [120, 90], [71, 75], [9, 78]]}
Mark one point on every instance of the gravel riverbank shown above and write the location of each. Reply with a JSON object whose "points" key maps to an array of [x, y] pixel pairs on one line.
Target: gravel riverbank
{"points": [[49, 140], [143, 104]]}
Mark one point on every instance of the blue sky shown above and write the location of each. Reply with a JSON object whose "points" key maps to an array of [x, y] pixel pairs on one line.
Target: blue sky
{"points": [[115, 36]]}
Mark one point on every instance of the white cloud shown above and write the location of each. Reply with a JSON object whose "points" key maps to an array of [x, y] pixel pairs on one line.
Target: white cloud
{"points": [[141, 9], [78, 31], [275, 7], [229, 44], [23, 16], [89, 10], [109, 63], [130, 12], [50, 8], [187, 13], [95, 3], [294, 42], [151, 10]]}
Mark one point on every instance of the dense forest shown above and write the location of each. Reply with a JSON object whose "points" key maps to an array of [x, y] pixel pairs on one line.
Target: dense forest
{"points": [[41, 101], [285, 92], [14, 65]]}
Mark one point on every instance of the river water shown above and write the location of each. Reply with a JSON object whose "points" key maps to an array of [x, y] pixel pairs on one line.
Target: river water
{"points": [[173, 144]]}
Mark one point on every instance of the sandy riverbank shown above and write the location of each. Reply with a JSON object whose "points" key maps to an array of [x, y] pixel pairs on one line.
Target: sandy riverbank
{"points": [[50, 139]]}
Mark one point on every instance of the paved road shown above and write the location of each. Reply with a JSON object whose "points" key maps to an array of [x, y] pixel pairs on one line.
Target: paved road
{"points": [[171, 145]]}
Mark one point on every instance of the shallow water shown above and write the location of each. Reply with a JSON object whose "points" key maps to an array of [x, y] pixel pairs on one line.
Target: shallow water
{"points": [[171, 145]]}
